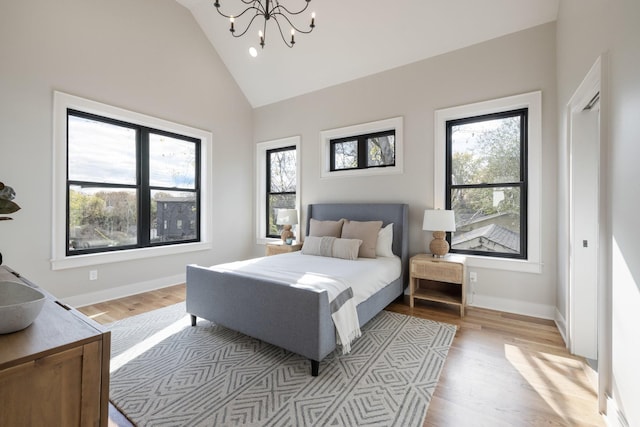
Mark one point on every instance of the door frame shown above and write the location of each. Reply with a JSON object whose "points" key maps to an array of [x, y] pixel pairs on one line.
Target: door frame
{"points": [[593, 84]]}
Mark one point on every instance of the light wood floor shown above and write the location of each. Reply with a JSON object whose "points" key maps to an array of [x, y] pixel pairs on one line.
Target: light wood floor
{"points": [[502, 369]]}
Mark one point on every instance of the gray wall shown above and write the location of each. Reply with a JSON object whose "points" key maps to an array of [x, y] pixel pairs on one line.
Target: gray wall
{"points": [[148, 56], [586, 30], [514, 64]]}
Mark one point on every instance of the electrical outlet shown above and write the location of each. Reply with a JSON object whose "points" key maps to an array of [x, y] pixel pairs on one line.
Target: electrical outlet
{"points": [[473, 276], [93, 275]]}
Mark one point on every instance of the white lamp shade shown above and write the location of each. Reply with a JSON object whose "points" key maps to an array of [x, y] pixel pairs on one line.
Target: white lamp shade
{"points": [[439, 220], [287, 217]]}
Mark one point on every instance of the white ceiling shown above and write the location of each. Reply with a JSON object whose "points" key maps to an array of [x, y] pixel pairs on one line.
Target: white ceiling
{"points": [[356, 38]]}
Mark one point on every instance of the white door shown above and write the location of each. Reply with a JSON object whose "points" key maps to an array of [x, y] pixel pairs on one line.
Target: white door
{"points": [[584, 207]]}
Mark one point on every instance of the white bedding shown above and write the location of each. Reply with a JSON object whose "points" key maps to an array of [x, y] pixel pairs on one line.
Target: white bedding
{"points": [[366, 276]]}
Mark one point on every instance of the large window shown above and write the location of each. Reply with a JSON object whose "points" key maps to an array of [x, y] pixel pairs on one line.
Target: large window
{"points": [[129, 186], [281, 185], [126, 186], [487, 183], [488, 169], [277, 183]]}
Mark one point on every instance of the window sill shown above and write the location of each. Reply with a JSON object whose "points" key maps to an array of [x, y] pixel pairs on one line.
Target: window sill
{"points": [[517, 265], [388, 170], [126, 255], [268, 240]]}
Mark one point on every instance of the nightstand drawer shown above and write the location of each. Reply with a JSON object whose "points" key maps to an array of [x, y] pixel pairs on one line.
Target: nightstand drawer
{"points": [[446, 272]]}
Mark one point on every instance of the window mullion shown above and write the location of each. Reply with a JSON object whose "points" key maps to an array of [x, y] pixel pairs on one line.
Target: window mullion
{"points": [[144, 190], [362, 152]]}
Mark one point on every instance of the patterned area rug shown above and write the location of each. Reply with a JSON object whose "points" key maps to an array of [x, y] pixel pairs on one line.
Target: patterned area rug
{"points": [[166, 373]]}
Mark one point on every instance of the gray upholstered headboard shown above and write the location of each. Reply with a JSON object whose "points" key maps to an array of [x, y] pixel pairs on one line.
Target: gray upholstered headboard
{"points": [[395, 213]]}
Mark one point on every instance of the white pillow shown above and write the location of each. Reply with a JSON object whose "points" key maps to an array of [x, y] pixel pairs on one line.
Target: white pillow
{"points": [[331, 247], [385, 241]]}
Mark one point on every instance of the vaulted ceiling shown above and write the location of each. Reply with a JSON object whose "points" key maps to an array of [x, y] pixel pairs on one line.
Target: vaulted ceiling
{"points": [[356, 38]]}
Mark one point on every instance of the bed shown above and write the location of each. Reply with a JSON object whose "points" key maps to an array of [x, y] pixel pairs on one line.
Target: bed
{"points": [[295, 318]]}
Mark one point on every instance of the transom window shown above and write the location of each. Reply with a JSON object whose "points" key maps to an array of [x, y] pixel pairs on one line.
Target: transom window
{"points": [[486, 183], [129, 186], [373, 148], [281, 184], [363, 151]]}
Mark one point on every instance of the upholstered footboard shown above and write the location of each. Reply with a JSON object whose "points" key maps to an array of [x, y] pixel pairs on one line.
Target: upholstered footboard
{"points": [[296, 319]]}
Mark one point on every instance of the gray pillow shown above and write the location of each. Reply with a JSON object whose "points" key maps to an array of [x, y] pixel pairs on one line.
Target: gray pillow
{"points": [[331, 247], [325, 228], [367, 231]]}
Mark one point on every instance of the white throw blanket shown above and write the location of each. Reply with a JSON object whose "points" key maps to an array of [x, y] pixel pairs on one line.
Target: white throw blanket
{"points": [[341, 302]]}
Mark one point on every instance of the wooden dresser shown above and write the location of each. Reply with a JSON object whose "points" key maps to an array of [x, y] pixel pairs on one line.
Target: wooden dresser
{"points": [[56, 371]]}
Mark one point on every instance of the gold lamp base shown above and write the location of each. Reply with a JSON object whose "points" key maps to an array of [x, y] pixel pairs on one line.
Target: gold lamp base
{"points": [[286, 234], [439, 247]]}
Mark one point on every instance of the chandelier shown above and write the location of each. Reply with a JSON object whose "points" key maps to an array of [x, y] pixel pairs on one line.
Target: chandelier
{"points": [[268, 9]]}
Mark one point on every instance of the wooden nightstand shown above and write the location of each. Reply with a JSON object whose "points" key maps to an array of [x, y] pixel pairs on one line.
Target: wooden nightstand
{"points": [[282, 248], [438, 279]]}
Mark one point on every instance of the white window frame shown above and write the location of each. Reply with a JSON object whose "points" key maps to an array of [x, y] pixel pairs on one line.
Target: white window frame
{"points": [[395, 123], [59, 259], [532, 101], [261, 184]]}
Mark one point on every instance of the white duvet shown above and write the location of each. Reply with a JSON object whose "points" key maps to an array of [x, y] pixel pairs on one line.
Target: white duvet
{"points": [[366, 276], [347, 282]]}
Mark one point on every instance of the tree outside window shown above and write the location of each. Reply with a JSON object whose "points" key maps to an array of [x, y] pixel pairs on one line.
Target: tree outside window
{"points": [[128, 186], [487, 183], [363, 151], [281, 185]]}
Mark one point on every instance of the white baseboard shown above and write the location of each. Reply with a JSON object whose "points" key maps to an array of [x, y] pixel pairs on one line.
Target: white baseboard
{"points": [[513, 306], [561, 324], [123, 291], [614, 417]]}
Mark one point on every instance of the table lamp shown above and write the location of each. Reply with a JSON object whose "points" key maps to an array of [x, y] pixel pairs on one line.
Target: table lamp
{"points": [[287, 218], [439, 221]]}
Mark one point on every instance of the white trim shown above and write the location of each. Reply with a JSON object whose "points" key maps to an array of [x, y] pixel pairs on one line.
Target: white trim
{"points": [[561, 324], [59, 259], [123, 291], [326, 136], [594, 82], [614, 417], [542, 311], [261, 184], [532, 101]]}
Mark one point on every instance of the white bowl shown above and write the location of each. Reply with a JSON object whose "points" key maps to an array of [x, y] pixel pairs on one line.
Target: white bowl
{"points": [[19, 306]]}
